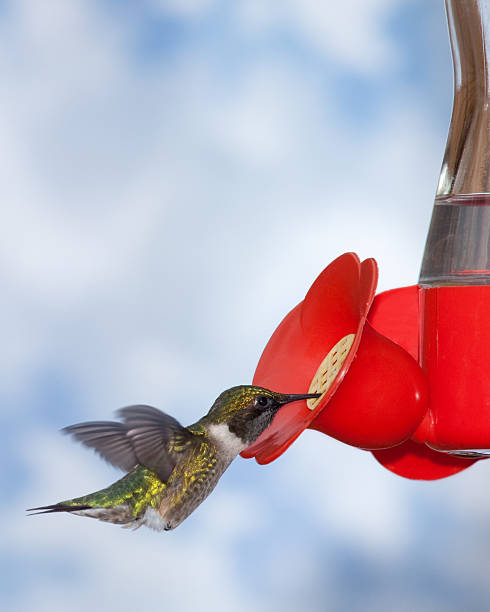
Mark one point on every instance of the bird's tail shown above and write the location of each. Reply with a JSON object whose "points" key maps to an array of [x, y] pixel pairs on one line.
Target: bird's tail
{"points": [[61, 507], [131, 501]]}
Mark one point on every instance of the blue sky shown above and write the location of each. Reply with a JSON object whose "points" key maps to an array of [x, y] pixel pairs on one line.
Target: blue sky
{"points": [[176, 174]]}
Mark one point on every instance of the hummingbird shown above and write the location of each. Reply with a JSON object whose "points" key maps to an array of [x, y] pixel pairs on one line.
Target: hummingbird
{"points": [[171, 469]]}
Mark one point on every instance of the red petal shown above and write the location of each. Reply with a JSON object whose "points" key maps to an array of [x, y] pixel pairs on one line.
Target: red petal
{"points": [[334, 307], [419, 462], [395, 314]]}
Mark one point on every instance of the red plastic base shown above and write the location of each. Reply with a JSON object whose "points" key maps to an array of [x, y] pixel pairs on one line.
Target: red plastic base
{"points": [[378, 399], [395, 313], [455, 354]]}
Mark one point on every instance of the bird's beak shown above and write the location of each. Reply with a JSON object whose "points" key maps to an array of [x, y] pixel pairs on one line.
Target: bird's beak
{"points": [[294, 398]]}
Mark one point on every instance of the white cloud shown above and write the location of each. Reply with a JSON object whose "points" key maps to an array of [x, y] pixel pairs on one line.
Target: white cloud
{"points": [[183, 8], [353, 34], [344, 491]]}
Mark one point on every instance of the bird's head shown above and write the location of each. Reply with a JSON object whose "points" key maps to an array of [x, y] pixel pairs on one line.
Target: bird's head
{"points": [[248, 410]]}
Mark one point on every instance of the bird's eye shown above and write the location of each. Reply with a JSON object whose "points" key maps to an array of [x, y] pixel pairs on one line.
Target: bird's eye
{"points": [[263, 401]]}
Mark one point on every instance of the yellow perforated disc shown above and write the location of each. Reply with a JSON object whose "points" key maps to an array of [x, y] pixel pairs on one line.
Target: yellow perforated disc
{"points": [[329, 368]]}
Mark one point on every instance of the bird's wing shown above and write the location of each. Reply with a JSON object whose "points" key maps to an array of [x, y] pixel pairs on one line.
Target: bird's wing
{"points": [[157, 438], [109, 439], [147, 436]]}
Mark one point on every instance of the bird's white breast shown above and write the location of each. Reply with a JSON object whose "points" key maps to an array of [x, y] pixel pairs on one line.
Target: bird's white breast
{"points": [[153, 519], [227, 441]]}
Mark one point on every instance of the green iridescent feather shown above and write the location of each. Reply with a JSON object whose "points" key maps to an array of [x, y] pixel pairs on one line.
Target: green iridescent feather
{"points": [[139, 489]]}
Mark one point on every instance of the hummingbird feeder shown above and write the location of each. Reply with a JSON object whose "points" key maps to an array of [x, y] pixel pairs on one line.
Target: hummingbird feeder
{"points": [[405, 374]]}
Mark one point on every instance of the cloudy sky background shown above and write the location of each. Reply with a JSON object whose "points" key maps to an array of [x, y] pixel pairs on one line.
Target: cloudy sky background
{"points": [[175, 175]]}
